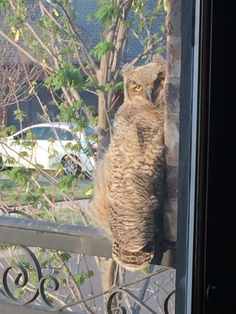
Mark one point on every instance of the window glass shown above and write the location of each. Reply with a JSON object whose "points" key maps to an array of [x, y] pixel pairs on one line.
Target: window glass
{"points": [[48, 133], [64, 135], [134, 69], [19, 136], [38, 133], [90, 131]]}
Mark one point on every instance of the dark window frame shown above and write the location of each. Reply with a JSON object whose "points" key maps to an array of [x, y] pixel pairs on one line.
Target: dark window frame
{"points": [[194, 150], [205, 266]]}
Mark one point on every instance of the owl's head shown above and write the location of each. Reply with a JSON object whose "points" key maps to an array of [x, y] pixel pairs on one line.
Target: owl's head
{"points": [[144, 83]]}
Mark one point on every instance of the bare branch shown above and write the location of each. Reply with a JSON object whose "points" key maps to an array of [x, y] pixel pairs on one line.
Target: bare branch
{"points": [[87, 56], [12, 77], [26, 53], [147, 51], [159, 271], [43, 9], [39, 39]]}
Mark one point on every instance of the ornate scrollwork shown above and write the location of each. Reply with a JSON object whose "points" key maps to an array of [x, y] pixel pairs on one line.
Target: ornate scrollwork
{"points": [[42, 285], [122, 300], [17, 277], [167, 300], [120, 309], [117, 301]]}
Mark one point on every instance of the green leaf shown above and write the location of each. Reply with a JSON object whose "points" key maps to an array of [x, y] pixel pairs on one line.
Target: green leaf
{"points": [[90, 189], [119, 85], [107, 11], [7, 130], [90, 273], [23, 154], [66, 182], [102, 48], [4, 4], [89, 192], [67, 76], [20, 175], [24, 263], [65, 256], [19, 115], [33, 276], [19, 292], [3, 247], [80, 277], [145, 270], [137, 5], [165, 5], [71, 113]]}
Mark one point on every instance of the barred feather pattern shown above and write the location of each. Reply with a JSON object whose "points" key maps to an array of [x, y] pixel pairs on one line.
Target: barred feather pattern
{"points": [[130, 181]]}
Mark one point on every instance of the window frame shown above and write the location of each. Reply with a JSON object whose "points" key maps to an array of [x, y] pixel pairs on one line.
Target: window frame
{"points": [[193, 162]]}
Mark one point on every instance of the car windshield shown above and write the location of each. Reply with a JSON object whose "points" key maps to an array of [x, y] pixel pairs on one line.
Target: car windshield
{"points": [[90, 131], [38, 133], [64, 135], [55, 133]]}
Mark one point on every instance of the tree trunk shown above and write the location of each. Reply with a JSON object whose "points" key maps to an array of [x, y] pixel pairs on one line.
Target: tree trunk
{"points": [[172, 123], [107, 105]]}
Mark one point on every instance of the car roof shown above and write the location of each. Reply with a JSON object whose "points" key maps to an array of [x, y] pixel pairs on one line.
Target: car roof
{"points": [[63, 125], [66, 125]]}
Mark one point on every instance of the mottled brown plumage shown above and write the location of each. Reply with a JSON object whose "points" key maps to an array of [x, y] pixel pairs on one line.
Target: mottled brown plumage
{"points": [[130, 179]]}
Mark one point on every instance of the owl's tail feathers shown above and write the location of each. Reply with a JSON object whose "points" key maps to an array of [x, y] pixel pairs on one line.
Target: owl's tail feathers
{"points": [[132, 260], [98, 214], [98, 206]]}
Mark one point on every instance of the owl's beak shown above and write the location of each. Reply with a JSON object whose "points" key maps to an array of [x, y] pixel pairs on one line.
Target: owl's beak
{"points": [[150, 94]]}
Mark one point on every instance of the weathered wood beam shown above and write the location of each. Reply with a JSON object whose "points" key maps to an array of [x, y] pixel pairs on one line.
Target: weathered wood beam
{"points": [[58, 236], [7, 308]]}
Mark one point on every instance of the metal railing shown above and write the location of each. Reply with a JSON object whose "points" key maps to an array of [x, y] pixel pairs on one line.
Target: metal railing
{"points": [[27, 234]]}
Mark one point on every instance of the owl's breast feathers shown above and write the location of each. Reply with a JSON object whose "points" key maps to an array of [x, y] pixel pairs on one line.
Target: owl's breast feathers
{"points": [[129, 194], [137, 166]]}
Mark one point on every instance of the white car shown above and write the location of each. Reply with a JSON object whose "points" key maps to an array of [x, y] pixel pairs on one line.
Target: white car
{"points": [[46, 145]]}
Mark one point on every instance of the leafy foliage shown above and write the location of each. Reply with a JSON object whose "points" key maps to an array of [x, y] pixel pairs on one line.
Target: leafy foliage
{"points": [[67, 76], [19, 115], [81, 277], [4, 4], [107, 11], [20, 175]]}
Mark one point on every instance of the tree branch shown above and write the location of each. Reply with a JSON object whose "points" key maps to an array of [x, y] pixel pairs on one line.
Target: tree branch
{"points": [[148, 50], [89, 60], [27, 54], [39, 39]]}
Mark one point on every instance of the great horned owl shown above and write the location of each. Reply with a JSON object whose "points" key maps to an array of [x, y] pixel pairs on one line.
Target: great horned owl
{"points": [[130, 179]]}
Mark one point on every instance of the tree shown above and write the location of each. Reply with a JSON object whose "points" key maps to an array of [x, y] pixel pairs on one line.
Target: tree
{"points": [[172, 85], [58, 38]]}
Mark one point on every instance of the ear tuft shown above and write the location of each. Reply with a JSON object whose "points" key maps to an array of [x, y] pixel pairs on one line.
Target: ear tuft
{"points": [[160, 62], [127, 68]]}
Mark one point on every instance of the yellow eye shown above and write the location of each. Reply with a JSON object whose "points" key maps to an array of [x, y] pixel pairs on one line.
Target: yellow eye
{"points": [[138, 88]]}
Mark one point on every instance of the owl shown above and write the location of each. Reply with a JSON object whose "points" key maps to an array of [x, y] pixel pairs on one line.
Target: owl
{"points": [[130, 183]]}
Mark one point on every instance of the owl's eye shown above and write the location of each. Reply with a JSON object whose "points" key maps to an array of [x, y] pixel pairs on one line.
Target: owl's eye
{"points": [[138, 88]]}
